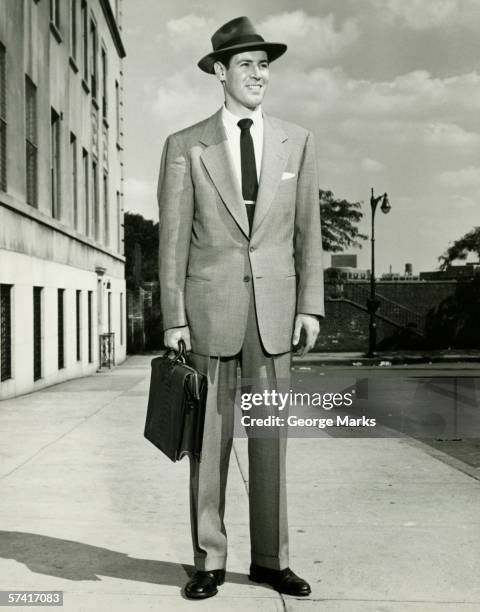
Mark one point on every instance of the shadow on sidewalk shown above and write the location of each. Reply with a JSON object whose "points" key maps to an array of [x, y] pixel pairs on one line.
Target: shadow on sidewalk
{"points": [[76, 561]]}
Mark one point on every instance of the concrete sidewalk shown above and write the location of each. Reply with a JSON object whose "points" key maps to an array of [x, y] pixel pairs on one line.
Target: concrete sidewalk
{"points": [[88, 506]]}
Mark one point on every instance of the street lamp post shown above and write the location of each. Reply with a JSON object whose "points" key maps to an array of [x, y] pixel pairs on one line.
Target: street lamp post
{"points": [[372, 302]]}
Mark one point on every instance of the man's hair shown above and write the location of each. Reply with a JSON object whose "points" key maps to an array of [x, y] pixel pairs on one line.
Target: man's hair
{"points": [[226, 57]]}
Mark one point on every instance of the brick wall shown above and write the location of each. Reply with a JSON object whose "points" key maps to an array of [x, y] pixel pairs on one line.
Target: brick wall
{"points": [[345, 327]]}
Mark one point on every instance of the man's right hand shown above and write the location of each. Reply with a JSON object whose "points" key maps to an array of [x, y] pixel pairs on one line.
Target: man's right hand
{"points": [[172, 336]]}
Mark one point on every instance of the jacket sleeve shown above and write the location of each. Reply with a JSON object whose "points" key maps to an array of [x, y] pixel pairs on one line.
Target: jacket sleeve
{"points": [[308, 236], [175, 204]]}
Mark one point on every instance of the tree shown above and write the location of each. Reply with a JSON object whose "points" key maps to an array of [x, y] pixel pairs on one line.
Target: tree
{"points": [[143, 233], [339, 223], [470, 243]]}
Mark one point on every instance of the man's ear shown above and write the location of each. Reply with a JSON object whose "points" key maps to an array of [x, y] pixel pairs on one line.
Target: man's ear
{"points": [[220, 71]]}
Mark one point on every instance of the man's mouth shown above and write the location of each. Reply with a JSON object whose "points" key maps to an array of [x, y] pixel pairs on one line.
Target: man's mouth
{"points": [[255, 86]]}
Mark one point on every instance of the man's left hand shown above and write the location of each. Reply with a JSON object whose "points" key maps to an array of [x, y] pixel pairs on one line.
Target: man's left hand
{"points": [[311, 326]]}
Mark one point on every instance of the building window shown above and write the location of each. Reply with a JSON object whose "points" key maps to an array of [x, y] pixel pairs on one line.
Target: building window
{"points": [[31, 142], [37, 333], [121, 318], [5, 332], [119, 222], [73, 161], [55, 163], [89, 324], [55, 13], [117, 110], [93, 59], [95, 199], [85, 189], [85, 40], [61, 327], [106, 215], [78, 324], [104, 82], [3, 119], [109, 311], [73, 29]]}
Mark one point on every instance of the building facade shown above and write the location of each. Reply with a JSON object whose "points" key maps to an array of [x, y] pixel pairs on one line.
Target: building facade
{"points": [[62, 286]]}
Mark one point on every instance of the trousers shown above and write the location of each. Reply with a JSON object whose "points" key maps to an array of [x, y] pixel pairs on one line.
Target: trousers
{"points": [[266, 456]]}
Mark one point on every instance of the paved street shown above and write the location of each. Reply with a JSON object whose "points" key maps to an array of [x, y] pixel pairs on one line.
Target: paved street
{"points": [[91, 508]]}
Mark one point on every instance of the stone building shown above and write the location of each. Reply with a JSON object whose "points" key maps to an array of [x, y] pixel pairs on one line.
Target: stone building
{"points": [[62, 286]]}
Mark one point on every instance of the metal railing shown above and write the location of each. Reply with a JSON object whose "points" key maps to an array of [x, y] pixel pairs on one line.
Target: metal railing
{"points": [[391, 311], [106, 350]]}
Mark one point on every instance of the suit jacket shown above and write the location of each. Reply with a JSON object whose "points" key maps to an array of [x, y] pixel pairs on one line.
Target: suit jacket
{"points": [[207, 258]]}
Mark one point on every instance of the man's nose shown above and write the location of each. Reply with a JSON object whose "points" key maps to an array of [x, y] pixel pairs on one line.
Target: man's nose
{"points": [[256, 72]]}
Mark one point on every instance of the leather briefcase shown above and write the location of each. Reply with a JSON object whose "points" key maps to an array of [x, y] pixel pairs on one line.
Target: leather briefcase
{"points": [[176, 406]]}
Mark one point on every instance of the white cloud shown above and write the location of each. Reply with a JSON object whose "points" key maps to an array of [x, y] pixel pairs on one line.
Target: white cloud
{"points": [[310, 39], [187, 36], [411, 108], [424, 14], [468, 177], [462, 202], [188, 25], [182, 100], [415, 94], [450, 135], [371, 165]]}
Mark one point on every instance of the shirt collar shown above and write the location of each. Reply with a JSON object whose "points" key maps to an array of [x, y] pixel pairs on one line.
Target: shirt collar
{"points": [[230, 120]]}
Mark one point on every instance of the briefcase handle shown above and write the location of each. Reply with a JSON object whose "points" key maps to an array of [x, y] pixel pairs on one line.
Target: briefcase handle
{"points": [[181, 354]]}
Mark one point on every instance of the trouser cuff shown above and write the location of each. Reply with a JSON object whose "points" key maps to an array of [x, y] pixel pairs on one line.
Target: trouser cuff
{"points": [[270, 561], [210, 563]]}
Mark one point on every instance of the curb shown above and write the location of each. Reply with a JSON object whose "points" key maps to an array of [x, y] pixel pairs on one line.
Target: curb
{"points": [[382, 361]]}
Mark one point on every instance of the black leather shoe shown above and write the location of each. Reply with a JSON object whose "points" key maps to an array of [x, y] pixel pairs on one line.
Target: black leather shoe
{"points": [[204, 584], [283, 581]]}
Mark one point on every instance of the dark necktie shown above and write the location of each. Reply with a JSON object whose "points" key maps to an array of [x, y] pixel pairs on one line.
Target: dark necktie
{"points": [[249, 168]]}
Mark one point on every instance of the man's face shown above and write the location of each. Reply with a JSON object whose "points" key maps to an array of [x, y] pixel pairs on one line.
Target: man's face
{"points": [[246, 79]]}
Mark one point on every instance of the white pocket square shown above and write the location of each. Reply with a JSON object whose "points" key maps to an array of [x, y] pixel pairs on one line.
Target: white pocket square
{"points": [[287, 175]]}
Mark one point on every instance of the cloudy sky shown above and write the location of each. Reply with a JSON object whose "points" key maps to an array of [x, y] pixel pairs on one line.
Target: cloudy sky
{"points": [[390, 88]]}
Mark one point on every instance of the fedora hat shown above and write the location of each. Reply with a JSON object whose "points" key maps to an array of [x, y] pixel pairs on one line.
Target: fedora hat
{"points": [[236, 36]]}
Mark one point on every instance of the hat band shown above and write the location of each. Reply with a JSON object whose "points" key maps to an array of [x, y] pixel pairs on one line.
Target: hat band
{"points": [[245, 38]]}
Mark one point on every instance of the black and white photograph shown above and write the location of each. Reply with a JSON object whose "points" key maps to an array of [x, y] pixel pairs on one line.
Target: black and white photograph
{"points": [[239, 297]]}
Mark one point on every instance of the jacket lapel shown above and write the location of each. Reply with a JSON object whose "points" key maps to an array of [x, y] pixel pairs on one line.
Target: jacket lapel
{"points": [[274, 160], [216, 159]]}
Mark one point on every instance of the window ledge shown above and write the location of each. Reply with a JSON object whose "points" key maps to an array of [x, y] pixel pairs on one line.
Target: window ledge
{"points": [[56, 32], [73, 64], [28, 211], [119, 146], [85, 86], [95, 103], [105, 122]]}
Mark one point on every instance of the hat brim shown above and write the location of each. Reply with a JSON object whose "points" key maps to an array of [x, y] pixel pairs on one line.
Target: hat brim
{"points": [[274, 51]]}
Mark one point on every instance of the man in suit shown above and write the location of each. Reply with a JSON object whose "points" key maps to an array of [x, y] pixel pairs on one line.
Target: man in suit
{"points": [[240, 266]]}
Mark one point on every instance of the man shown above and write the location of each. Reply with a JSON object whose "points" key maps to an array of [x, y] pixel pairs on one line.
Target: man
{"points": [[240, 278]]}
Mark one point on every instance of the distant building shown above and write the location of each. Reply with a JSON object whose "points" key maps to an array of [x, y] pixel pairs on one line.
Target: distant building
{"points": [[463, 272], [62, 284], [345, 267], [344, 261], [397, 276]]}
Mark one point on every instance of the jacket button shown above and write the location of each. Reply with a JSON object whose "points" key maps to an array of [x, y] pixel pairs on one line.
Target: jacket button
{"points": [[251, 249], [246, 279]]}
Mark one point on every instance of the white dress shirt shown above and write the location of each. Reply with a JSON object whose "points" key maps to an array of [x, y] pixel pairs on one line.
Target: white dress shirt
{"points": [[233, 137]]}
